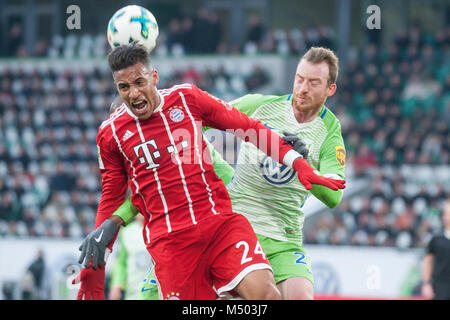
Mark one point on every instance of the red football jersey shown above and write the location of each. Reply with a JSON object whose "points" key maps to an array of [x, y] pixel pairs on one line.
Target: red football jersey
{"points": [[166, 162]]}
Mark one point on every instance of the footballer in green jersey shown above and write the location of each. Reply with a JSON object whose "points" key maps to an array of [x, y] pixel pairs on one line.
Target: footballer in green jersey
{"points": [[132, 272]]}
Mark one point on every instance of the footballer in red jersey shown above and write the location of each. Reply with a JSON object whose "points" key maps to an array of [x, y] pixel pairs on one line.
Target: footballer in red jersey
{"points": [[154, 145]]}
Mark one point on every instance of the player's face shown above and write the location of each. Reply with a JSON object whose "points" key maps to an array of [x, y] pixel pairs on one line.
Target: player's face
{"points": [[137, 87], [311, 87]]}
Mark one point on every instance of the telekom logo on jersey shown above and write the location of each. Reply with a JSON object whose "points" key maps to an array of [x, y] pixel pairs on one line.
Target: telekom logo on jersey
{"points": [[189, 150], [148, 156]]}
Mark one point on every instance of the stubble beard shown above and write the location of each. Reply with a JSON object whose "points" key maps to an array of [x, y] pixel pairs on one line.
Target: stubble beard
{"points": [[310, 107]]}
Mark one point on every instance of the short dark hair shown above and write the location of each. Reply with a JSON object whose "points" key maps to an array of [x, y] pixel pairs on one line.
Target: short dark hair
{"points": [[127, 55]]}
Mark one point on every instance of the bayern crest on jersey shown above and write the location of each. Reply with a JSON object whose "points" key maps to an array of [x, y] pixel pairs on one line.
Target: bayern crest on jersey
{"points": [[176, 115]]}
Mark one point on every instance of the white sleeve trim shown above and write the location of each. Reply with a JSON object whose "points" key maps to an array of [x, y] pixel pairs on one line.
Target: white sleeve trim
{"points": [[332, 176], [290, 157]]}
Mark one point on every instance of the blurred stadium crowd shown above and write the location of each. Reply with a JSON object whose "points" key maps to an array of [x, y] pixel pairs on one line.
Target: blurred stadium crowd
{"points": [[393, 104], [199, 34]]}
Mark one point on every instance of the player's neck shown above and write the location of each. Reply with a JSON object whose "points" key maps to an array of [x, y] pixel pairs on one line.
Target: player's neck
{"points": [[306, 116]]}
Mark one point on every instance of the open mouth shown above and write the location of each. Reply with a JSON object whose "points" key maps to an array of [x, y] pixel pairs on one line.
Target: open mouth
{"points": [[140, 106]]}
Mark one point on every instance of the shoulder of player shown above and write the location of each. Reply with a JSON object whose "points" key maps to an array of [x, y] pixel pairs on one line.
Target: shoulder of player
{"points": [[184, 88], [190, 94], [105, 130], [330, 120], [119, 112], [259, 99], [440, 237], [105, 134]]}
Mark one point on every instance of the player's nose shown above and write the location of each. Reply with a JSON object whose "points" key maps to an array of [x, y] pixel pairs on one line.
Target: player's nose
{"points": [[303, 88], [134, 93]]}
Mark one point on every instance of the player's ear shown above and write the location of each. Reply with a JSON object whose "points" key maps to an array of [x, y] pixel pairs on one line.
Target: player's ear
{"points": [[332, 89], [155, 77]]}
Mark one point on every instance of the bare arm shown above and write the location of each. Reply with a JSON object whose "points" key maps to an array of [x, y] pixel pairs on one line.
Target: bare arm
{"points": [[117, 220]]}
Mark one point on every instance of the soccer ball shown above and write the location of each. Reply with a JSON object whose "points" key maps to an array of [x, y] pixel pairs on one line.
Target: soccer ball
{"points": [[133, 23]]}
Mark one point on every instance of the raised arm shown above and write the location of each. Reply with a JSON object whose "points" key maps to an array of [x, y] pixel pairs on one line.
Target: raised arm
{"points": [[221, 115]]}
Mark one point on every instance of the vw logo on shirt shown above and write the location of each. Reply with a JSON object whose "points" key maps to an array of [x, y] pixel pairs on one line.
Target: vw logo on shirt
{"points": [[275, 172]]}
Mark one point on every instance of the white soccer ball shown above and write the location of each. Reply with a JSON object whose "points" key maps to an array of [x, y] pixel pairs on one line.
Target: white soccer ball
{"points": [[133, 23]]}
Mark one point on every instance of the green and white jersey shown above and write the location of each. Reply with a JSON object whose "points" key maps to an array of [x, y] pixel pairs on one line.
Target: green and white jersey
{"points": [[269, 194], [133, 260]]}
